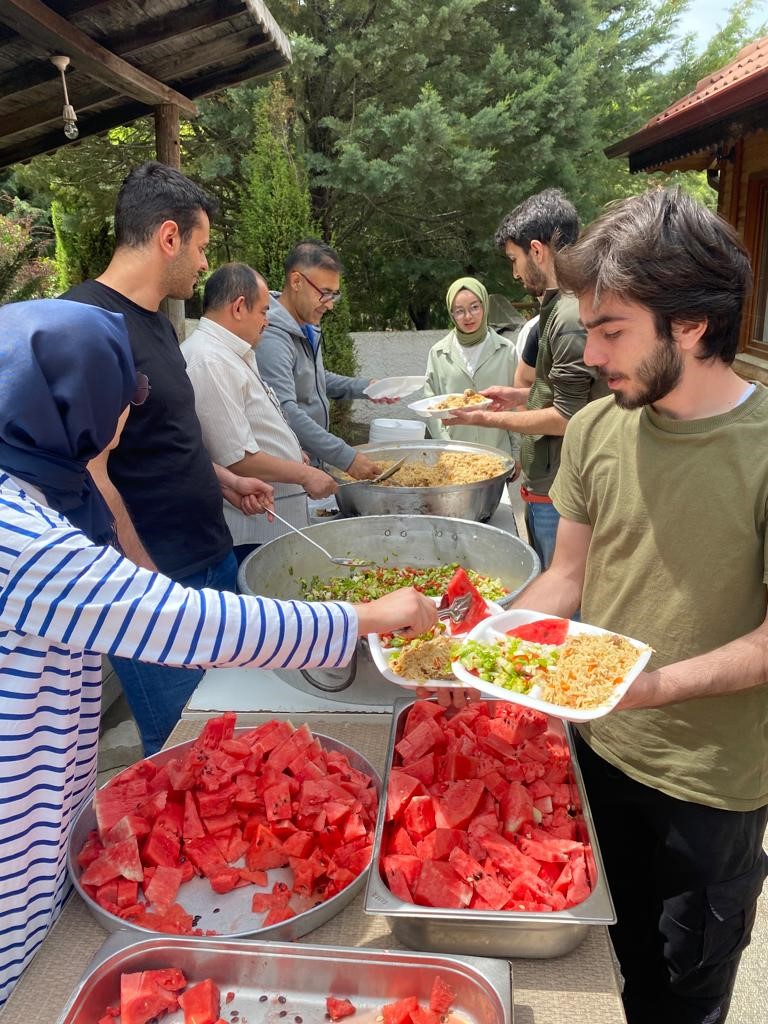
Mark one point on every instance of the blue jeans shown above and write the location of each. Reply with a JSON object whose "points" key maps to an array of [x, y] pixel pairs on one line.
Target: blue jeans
{"points": [[542, 518], [156, 694]]}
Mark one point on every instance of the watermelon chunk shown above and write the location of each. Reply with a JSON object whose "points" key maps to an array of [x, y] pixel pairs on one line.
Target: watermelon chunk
{"points": [[339, 1008], [440, 886], [148, 994], [442, 996], [400, 1011], [201, 1003]]}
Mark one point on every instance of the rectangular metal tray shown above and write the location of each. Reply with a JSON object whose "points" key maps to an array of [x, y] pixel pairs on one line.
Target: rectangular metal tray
{"points": [[294, 978], [500, 933]]}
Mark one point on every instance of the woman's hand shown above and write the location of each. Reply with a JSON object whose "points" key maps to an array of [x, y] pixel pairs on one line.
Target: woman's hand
{"points": [[454, 696], [405, 611]]}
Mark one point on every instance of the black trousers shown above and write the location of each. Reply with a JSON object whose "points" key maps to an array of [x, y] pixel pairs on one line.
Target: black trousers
{"points": [[685, 879]]}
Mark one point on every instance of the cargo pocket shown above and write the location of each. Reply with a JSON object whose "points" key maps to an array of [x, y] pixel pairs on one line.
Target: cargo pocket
{"points": [[709, 926], [731, 908]]}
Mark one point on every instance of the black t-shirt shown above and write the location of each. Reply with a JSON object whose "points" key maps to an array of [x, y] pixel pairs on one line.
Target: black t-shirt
{"points": [[531, 347], [161, 468]]}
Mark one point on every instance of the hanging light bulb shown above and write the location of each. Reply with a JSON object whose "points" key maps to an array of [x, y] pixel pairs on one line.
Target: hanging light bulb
{"points": [[68, 113]]}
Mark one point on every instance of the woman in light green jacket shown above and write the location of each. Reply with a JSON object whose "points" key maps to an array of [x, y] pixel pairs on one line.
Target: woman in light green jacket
{"points": [[471, 356]]}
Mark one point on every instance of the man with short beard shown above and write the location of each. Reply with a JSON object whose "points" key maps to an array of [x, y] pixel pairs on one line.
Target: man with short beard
{"points": [[530, 237], [663, 497], [163, 489]]}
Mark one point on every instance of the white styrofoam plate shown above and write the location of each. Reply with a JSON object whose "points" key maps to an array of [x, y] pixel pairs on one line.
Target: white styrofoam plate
{"points": [[496, 627], [381, 656], [394, 387], [424, 406]]}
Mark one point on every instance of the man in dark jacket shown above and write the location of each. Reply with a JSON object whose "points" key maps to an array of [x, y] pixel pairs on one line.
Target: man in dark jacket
{"points": [[290, 357]]}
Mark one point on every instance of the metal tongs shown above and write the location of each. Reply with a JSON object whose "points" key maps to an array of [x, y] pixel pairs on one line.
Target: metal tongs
{"points": [[457, 609]]}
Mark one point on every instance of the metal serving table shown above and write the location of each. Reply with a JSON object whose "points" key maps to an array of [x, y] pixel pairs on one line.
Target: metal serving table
{"points": [[578, 987]]}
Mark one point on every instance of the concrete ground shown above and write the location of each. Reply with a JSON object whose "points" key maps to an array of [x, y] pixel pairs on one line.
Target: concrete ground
{"points": [[400, 353]]}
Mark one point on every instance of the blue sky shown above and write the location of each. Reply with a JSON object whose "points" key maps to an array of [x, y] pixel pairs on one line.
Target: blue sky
{"points": [[704, 17]]}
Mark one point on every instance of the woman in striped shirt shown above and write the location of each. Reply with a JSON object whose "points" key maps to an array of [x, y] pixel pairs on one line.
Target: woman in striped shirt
{"points": [[67, 597]]}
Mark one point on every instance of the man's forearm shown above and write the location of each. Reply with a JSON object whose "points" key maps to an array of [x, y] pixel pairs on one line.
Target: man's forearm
{"points": [[270, 468], [736, 666], [526, 421], [553, 592], [126, 532]]}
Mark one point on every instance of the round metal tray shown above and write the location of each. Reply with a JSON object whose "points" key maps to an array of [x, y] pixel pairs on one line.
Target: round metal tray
{"points": [[228, 914]]}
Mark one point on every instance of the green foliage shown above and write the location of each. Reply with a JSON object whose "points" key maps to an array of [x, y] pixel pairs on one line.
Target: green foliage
{"points": [[339, 356], [25, 271], [274, 205], [413, 127], [423, 125], [84, 244]]}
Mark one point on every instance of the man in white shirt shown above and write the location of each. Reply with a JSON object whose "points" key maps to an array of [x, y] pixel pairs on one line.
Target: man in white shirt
{"points": [[243, 426]]}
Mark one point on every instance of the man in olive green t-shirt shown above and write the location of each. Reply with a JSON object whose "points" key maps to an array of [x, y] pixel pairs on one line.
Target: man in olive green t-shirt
{"points": [[530, 237], [662, 493]]}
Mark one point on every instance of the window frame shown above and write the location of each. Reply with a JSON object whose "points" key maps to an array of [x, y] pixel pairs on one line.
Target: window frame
{"points": [[756, 241]]}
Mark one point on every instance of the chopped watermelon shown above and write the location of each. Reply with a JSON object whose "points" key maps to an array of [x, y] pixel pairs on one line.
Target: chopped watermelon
{"points": [[509, 834], [339, 1008], [459, 586], [149, 994], [442, 997], [542, 631], [230, 809], [399, 1012], [201, 1003]]}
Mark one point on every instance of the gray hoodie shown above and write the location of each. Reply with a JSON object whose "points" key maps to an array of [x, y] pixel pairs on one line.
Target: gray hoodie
{"points": [[303, 386]]}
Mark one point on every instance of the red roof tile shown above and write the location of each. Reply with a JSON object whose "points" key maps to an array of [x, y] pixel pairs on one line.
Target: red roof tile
{"points": [[716, 101], [750, 61]]}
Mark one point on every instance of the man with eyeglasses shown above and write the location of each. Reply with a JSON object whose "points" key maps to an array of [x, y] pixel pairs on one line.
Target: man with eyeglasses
{"points": [[290, 357]]}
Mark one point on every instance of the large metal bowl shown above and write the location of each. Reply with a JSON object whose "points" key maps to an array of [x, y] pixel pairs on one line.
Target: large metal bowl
{"points": [[228, 915], [476, 501], [276, 570]]}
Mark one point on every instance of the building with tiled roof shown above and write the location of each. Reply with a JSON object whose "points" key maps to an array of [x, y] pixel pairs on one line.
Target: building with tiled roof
{"points": [[721, 127]]}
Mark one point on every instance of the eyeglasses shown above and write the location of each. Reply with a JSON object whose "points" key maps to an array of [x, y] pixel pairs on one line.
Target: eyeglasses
{"points": [[326, 295], [461, 314], [143, 388]]}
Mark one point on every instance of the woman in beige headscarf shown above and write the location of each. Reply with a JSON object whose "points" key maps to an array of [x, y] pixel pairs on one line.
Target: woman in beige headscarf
{"points": [[474, 356]]}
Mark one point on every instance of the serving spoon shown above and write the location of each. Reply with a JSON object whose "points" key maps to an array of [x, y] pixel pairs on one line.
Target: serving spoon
{"points": [[355, 563], [384, 475]]}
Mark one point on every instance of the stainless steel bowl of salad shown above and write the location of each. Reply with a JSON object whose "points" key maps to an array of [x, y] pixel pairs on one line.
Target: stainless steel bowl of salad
{"points": [[410, 550]]}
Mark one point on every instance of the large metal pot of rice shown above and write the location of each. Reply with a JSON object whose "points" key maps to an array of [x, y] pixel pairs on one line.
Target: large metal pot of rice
{"points": [[279, 568], [477, 501]]}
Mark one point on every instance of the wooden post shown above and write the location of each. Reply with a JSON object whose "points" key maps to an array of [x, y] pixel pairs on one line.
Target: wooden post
{"points": [[168, 152]]}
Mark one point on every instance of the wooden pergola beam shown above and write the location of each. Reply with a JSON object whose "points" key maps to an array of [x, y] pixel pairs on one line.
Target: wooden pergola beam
{"points": [[132, 41], [32, 19]]}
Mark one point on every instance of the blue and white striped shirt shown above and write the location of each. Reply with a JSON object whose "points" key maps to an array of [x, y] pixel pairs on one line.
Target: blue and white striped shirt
{"points": [[63, 603]]}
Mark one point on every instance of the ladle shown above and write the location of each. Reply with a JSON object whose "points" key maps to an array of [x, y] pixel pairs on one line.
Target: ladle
{"points": [[355, 563]]}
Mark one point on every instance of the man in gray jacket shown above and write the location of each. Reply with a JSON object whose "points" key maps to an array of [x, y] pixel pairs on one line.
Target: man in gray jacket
{"points": [[290, 356]]}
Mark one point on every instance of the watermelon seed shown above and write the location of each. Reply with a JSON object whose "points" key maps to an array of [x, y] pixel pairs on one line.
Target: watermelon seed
{"points": [[283, 1013], [216, 910], [281, 999], [196, 920], [298, 1020], [263, 999]]}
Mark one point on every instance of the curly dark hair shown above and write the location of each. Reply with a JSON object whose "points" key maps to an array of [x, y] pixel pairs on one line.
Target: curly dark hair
{"points": [[548, 217], [669, 253]]}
